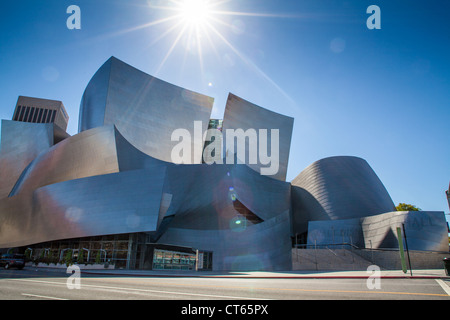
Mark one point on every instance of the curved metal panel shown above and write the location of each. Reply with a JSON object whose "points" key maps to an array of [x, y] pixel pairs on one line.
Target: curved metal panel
{"points": [[425, 230], [146, 110], [264, 246], [203, 196], [21, 143], [448, 196], [89, 153], [207, 195], [241, 114], [124, 202], [15, 218], [93, 102], [338, 188]]}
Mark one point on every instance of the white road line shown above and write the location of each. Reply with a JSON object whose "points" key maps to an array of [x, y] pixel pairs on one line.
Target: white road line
{"points": [[140, 290], [444, 286], [45, 297]]}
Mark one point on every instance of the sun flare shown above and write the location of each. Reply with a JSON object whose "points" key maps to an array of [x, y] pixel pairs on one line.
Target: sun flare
{"points": [[195, 12]]}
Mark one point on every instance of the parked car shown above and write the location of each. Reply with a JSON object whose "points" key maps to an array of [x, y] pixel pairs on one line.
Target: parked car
{"points": [[12, 261]]}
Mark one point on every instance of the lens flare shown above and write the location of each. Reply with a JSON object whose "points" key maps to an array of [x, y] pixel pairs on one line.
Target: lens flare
{"points": [[195, 12]]}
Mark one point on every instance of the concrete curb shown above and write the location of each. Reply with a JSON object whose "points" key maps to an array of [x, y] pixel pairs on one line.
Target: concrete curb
{"points": [[296, 276], [360, 274]]}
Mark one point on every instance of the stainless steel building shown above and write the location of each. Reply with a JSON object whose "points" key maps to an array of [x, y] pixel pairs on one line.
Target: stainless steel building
{"points": [[113, 192]]}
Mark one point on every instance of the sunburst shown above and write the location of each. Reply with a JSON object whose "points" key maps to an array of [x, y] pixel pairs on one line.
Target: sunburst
{"points": [[202, 26], [195, 12]]}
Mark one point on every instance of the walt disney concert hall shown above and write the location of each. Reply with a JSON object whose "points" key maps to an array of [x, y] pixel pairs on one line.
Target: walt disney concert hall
{"points": [[113, 192]]}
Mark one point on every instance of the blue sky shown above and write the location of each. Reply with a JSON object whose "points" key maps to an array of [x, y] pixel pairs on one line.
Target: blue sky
{"points": [[383, 95]]}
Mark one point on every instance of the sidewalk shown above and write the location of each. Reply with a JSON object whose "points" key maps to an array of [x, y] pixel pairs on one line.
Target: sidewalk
{"points": [[393, 274]]}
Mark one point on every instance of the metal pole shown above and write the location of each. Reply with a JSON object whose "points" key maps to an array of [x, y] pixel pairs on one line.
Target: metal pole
{"points": [[407, 251], [401, 250], [196, 260], [315, 253]]}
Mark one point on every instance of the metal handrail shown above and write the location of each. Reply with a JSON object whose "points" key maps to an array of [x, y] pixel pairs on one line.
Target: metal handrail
{"points": [[325, 246]]}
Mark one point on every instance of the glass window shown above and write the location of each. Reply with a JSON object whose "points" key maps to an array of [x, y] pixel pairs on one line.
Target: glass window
{"points": [[108, 245], [27, 111], [167, 258], [49, 116], [22, 111], [39, 119], [44, 116], [121, 255], [30, 116], [122, 245], [16, 116], [36, 112]]}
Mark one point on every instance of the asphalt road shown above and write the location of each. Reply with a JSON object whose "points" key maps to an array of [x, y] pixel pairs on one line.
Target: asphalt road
{"points": [[29, 284]]}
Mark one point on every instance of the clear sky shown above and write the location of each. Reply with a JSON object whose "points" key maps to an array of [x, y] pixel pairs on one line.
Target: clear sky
{"points": [[381, 94]]}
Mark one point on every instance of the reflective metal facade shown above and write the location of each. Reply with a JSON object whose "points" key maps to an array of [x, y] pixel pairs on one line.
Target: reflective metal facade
{"points": [[116, 177], [244, 115], [337, 188], [21, 143], [146, 110], [425, 230], [264, 246], [448, 196], [97, 183]]}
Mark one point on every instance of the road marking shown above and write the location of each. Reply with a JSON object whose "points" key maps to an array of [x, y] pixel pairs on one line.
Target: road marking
{"points": [[140, 290], [444, 286], [235, 287], [45, 297], [304, 290]]}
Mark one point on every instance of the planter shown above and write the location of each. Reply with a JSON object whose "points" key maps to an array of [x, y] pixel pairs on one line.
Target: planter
{"points": [[63, 266]]}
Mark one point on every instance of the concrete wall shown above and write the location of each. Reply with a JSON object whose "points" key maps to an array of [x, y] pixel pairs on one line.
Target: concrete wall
{"points": [[360, 259], [425, 230]]}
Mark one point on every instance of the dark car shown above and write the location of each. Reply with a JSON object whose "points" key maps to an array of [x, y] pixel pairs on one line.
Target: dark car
{"points": [[12, 261]]}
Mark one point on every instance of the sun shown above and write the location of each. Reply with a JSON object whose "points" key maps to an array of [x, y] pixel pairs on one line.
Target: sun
{"points": [[195, 12]]}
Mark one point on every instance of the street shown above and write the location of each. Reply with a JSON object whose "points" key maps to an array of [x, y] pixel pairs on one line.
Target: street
{"points": [[31, 283]]}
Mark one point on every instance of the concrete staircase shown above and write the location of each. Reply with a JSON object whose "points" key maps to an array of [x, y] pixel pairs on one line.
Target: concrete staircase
{"points": [[360, 259], [327, 259]]}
